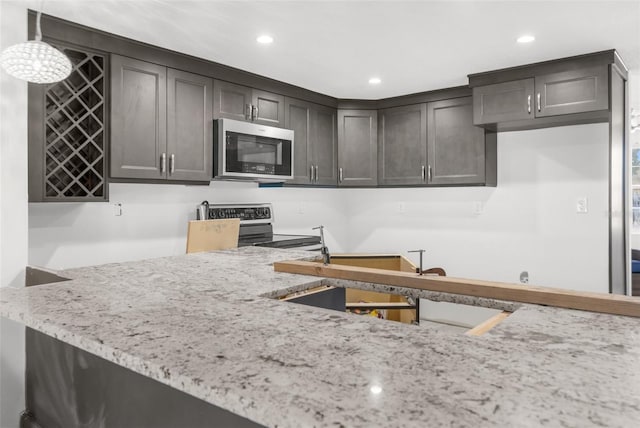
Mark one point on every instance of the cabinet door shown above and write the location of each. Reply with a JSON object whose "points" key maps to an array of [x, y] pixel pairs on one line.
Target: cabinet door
{"points": [[357, 148], [402, 150], [268, 108], [189, 126], [138, 118], [574, 91], [231, 101], [324, 146], [456, 148], [503, 102], [298, 117]]}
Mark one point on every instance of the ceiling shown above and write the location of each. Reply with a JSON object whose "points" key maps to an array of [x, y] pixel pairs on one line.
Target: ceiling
{"points": [[335, 47]]}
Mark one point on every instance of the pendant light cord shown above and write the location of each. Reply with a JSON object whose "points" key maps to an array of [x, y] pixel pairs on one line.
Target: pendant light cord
{"points": [[38, 31]]}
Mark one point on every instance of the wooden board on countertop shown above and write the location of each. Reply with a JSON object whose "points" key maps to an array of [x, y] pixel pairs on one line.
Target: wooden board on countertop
{"points": [[595, 302], [210, 235], [487, 325]]}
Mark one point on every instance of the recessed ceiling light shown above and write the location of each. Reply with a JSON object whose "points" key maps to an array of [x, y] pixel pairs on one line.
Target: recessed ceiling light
{"points": [[375, 81], [265, 39], [375, 389], [527, 38]]}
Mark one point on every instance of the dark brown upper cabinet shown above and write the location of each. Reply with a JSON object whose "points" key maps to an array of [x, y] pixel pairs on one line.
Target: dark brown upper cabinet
{"points": [[433, 144], [402, 145], [315, 142], [69, 132], [456, 148], [189, 126], [357, 148], [243, 103], [581, 90], [573, 91], [161, 122]]}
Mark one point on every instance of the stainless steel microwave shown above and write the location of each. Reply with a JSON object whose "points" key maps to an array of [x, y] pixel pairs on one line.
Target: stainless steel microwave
{"points": [[245, 150]]}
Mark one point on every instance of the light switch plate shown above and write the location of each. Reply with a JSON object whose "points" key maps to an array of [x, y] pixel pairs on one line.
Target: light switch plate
{"points": [[582, 205]]}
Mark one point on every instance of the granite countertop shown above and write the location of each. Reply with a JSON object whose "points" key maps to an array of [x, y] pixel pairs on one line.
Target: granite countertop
{"points": [[205, 324]]}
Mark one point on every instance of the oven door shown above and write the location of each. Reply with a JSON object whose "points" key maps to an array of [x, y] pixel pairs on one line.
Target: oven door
{"points": [[254, 151]]}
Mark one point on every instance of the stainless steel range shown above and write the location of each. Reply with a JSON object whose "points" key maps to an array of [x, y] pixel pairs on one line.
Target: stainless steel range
{"points": [[256, 226]]}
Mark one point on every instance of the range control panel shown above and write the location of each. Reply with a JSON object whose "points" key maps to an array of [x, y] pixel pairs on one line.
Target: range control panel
{"points": [[250, 213]]}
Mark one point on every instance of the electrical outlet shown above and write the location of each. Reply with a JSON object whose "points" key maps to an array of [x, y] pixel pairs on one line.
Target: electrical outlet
{"points": [[301, 208], [402, 208], [582, 205], [117, 210], [478, 207]]}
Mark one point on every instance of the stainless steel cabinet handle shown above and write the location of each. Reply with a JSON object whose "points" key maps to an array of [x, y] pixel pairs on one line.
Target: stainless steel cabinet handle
{"points": [[529, 104], [424, 174], [163, 163], [340, 177], [249, 112], [538, 101], [430, 176], [255, 112], [311, 174], [316, 174], [172, 164]]}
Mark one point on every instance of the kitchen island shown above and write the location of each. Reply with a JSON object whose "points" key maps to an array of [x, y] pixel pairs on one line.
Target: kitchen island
{"points": [[210, 325]]}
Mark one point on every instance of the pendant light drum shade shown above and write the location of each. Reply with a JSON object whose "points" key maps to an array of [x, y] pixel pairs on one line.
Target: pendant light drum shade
{"points": [[35, 61]]}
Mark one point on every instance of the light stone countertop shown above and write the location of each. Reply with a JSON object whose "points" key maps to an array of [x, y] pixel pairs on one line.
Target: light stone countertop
{"points": [[205, 324]]}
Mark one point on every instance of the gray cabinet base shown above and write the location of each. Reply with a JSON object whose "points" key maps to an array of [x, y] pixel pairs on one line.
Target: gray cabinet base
{"points": [[67, 387]]}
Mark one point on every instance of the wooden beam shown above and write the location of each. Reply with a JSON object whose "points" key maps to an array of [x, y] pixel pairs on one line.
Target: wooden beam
{"points": [[380, 305], [594, 302], [484, 327]]}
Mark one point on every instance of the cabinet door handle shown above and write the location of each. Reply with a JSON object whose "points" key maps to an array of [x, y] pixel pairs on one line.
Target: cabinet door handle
{"points": [[255, 113], [529, 104], [430, 175], [172, 164], [340, 176], [316, 174], [424, 173], [311, 173], [539, 101], [249, 112], [163, 163]]}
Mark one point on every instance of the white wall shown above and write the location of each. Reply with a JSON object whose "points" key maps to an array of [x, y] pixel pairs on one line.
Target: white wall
{"points": [[529, 222], [13, 212], [154, 221]]}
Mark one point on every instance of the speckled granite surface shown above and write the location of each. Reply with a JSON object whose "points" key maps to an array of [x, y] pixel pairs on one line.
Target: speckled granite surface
{"points": [[202, 323]]}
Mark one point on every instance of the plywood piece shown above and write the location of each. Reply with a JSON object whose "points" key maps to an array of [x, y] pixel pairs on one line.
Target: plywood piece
{"points": [[595, 302], [380, 305], [484, 327], [393, 262], [370, 261], [210, 235]]}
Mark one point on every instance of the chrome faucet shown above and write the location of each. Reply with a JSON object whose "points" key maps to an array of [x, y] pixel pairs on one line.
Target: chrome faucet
{"points": [[421, 251], [326, 257]]}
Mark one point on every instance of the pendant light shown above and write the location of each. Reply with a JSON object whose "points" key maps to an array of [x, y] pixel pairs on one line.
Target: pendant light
{"points": [[35, 61]]}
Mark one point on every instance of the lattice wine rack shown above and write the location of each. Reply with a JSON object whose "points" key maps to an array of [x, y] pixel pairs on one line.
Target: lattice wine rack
{"points": [[75, 128]]}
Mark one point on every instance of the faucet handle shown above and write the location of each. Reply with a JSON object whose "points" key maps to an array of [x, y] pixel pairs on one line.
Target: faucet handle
{"points": [[421, 251]]}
